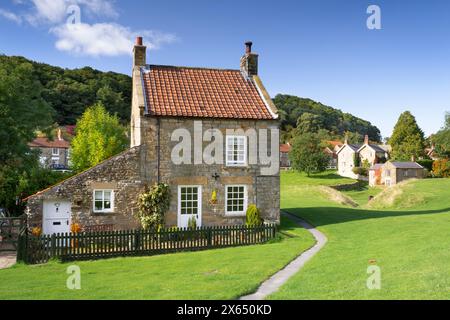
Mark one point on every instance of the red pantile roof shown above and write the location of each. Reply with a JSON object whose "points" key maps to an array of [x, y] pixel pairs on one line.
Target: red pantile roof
{"points": [[335, 143], [45, 143], [202, 93], [285, 148]]}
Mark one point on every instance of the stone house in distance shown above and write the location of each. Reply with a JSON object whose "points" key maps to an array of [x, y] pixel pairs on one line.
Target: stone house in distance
{"points": [[177, 112], [369, 152], [54, 154], [392, 173]]}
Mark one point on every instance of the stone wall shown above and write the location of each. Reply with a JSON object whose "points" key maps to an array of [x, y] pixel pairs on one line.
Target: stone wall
{"points": [[120, 173], [128, 173], [264, 191]]}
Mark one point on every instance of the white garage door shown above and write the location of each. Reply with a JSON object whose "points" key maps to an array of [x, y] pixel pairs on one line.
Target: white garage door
{"points": [[57, 216]]}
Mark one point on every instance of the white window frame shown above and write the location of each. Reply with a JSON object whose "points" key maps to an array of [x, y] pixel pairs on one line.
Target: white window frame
{"points": [[55, 154], [199, 198], [236, 213], [103, 210], [235, 163]]}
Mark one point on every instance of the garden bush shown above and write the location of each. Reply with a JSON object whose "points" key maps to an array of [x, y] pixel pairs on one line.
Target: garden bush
{"points": [[441, 168], [253, 216]]}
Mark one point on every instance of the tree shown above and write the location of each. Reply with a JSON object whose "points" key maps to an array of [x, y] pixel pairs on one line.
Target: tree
{"points": [[22, 112], [309, 122], [442, 139], [407, 140], [98, 137], [308, 154]]}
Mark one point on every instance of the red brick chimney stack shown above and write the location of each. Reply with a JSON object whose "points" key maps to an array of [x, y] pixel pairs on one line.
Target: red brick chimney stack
{"points": [[139, 53], [249, 62], [366, 139]]}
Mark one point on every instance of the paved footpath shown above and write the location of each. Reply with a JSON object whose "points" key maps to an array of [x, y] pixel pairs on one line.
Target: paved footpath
{"points": [[281, 277], [7, 259]]}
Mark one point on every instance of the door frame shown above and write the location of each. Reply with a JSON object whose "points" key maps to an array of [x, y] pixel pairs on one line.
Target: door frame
{"points": [[199, 202], [45, 218]]}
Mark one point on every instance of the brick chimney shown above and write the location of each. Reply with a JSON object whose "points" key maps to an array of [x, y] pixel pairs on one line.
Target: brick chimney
{"points": [[413, 158], [249, 61], [60, 138], [366, 139], [139, 53]]}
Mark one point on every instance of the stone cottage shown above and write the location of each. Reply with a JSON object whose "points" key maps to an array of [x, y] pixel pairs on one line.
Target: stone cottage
{"points": [[53, 154], [346, 160], [391, 173], [201, 131], [353, 155]]}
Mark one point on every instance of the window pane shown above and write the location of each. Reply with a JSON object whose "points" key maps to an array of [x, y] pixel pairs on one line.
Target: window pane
{"points": [[98, 205], [107, 205], [107, 195], [98, 195]]}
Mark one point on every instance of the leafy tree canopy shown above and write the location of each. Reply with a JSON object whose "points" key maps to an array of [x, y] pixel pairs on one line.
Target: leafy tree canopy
{"points": [[22, 111], [70, 92], [99, 136], [442, 138], [308, 154], [407, 140]]}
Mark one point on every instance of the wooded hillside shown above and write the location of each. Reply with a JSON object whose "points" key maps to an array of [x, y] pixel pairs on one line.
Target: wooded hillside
{"points": [[316, 116], [70, 92]]}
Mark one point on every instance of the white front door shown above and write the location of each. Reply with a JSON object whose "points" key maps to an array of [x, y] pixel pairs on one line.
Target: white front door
{"points": [[189, 205], [57, 216]]}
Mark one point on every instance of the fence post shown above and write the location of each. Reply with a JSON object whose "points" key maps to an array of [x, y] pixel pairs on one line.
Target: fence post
{"points": [[136, 241], [209, 237], [53, 246]]}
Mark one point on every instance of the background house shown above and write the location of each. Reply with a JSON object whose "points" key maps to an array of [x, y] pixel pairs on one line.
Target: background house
{"points": [[53, 154], [331, 150], [285, 163], [354, 155], [392, 173]]}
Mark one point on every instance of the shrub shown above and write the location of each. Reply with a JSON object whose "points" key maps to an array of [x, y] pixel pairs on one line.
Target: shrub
{"points": [[427, 164], [192, 223], [153, 204], [441, 168], [361, 171], [253, 216]]}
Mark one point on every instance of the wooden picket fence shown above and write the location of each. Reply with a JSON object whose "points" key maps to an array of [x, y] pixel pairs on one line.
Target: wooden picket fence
{"points": [[108, 244]]}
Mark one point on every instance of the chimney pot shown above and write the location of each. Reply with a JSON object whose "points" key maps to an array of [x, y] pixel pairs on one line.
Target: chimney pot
{"points": [[248, 47], [139, 41]]}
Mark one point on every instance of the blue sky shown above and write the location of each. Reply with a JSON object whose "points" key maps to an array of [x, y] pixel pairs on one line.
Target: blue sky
{"points": [[320, 49]]}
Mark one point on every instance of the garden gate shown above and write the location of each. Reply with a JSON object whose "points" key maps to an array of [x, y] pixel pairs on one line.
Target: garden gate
{"points": [[10, 229]]}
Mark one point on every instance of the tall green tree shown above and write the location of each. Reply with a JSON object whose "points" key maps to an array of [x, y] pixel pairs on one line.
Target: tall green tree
{"points": [[442, 138], [22, 112], [407, 140], [99, 136], [308, 154]]}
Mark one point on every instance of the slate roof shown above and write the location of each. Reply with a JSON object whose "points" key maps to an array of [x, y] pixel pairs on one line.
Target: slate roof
{"points": [[407, 165], [202, 93]]}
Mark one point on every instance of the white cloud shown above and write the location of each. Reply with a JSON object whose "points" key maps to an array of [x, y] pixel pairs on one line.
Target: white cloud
{"points": [[10, 16], [104, 39], [82, 38]]}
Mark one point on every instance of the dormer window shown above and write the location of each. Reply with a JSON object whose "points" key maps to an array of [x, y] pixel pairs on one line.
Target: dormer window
{"points": [[55, 152]]}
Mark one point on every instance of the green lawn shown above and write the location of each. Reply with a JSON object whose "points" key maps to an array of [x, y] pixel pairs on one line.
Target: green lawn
{"points": [[409, 239], [327, 178], [215, 274]]}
